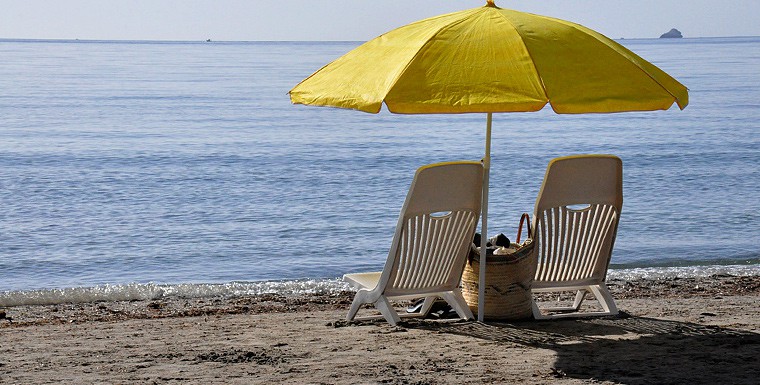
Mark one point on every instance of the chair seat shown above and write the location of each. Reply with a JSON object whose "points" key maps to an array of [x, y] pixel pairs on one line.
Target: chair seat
{"points": [[363, 280]]}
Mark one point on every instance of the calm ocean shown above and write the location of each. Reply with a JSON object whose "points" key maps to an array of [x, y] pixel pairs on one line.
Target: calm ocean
{"points": [[142, 169]]}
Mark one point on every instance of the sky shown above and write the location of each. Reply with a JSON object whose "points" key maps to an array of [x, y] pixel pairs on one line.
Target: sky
{"points": [[357, 20]]}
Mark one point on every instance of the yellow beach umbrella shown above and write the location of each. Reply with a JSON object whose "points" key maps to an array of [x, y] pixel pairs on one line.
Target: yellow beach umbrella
{"points": [[487, 60]]}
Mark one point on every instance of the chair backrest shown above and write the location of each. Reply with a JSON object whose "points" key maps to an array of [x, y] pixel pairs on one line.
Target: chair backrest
{"points": [[576, 218], [434, 230]]}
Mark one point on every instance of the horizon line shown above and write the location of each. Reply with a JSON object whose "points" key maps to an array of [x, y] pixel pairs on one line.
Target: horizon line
{"points": [[8, 39]]}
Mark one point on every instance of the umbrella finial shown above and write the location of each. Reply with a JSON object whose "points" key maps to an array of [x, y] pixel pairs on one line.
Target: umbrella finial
{"points": [[490, 3]]}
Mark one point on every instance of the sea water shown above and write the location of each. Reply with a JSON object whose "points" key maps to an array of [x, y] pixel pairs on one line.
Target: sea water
{"points": [[134, 169]]}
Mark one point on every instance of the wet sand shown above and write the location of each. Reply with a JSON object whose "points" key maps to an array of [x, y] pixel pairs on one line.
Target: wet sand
{"points": [[670, 331]]}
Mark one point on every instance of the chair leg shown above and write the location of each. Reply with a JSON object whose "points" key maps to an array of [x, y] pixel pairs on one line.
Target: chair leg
{"points": [[457, 301], [601, 294], [536, 310], [579, 297], [605, 299], [355, 306], [427, 305], [386, 309]]}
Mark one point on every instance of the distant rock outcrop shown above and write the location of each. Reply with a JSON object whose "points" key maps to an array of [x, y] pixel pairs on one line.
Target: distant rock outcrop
{"points": [[673, 33]]}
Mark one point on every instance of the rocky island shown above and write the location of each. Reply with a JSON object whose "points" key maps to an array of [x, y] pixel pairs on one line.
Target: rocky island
{"points": [[673, 33]]}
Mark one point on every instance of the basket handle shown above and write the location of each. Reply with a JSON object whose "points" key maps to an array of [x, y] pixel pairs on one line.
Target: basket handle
{"points": [[519, 229]]}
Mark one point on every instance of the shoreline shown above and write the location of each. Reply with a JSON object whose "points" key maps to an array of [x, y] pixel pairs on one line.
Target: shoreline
{"points": [[155, 291], [178, 306], [688, 330]]}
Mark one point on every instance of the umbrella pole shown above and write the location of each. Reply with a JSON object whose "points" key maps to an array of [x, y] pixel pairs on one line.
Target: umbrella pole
{"points": [[484, 221]]}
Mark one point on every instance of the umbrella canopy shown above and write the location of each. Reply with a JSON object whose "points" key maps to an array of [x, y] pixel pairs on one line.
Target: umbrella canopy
{"points": [[489, 60]]}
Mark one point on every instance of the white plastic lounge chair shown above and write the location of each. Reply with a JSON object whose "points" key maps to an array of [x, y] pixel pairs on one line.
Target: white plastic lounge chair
{"points": [[575, 221], [430, 244]]}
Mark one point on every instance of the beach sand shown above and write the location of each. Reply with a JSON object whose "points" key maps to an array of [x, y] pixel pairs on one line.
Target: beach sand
{"points": [[671, 331]]}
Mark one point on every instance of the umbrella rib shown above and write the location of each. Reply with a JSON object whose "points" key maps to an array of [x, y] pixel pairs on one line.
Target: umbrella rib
{"points": [[532, 59], [632, 57], [422, 47]]}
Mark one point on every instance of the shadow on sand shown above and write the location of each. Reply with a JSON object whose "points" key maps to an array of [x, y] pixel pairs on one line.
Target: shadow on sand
{"points": [[630, 350]]}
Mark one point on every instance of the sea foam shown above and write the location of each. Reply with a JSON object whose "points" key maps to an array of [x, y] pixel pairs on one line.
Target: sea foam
{"points": [[152, 291]]}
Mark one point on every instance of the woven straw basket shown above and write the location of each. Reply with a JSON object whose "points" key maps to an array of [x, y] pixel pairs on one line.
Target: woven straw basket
{"points": [[508, 281]]}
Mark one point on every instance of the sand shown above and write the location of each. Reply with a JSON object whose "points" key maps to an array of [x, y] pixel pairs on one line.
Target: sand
{"points": [[674, 331]]}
